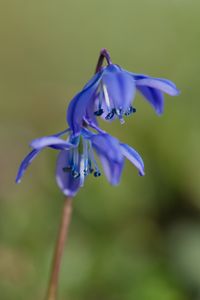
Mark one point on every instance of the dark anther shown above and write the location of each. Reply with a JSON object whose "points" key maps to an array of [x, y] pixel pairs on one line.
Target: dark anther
{"points": [[99, 112], [110, 115], [132, 109], [97, 174], [85, 172], [91, 170], [67, 169], [75, 174]]}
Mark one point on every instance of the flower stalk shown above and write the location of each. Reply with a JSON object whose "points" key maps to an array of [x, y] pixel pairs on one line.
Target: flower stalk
{"points": [[61, 240], [104, 54]]}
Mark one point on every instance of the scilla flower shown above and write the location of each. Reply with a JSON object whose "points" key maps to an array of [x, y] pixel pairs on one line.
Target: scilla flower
{"points": [[76, 158], [111, 91]]}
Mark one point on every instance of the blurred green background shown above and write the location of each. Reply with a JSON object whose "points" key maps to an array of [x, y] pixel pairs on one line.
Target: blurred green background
{"points": [[140, 240]]}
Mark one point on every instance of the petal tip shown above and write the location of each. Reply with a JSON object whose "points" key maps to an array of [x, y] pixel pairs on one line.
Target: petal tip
{"points": [[141, 173], [17, 180]]}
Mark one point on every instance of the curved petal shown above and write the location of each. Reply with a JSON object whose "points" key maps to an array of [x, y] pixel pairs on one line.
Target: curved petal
{"points": [[89, 115], [121, 88], [111, 158], [154, 96], [66, 182], [25, 163], [78, 106], [134, 157], [163, 85], [50, 141]]}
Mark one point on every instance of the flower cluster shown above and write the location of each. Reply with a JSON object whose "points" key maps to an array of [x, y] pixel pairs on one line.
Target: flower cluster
{"points": [[109, 94]]}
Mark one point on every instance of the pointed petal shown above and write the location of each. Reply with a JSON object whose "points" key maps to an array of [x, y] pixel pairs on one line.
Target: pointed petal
{"points": [[79, 104], [50, 141], [25, 163], [66, 182], [163, 85], [111, 158], [121, 88], [134, 157], [154, 96]]}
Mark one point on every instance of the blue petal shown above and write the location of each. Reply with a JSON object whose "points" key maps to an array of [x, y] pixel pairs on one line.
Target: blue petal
{"points": [[161, 84], [90, 116], [66, 182], [50, 141], [121, 88], [152, 88], [154, 96], [25, 163], [134, 157], [108, 150], [80, 103]]}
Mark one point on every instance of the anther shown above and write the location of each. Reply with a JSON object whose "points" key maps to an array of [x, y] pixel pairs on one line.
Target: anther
{"points": [[111, 114], [75, 174], [85, 172], [132, 109], [97, 174], [99, 112], [67, 169]]}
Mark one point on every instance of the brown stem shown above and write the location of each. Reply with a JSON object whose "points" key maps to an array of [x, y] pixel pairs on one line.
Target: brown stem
{"points": [[104, 54], [62, 238]]}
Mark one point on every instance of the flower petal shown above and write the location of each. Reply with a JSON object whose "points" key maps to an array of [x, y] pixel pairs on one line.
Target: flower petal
{"points": [[120, 86], [77, 108], [107, 148], [50, 141], [134, 157], [164, 85], [66, 182], [154, 96], [25, 163]]}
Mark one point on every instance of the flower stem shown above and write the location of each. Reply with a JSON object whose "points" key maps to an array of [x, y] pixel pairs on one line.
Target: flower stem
{"points": [[61, 239], [104, 54]]}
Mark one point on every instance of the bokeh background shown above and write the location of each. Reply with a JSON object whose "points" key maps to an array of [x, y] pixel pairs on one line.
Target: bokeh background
{"points": [[140, 240]]}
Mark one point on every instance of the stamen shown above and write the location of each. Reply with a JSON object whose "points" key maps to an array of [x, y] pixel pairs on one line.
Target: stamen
{"points": [[85, 156], [92, 159], [67, 169], [82, 175], [106, 96], [111, 114], [99, 112], [119, 113], [91, 170], [97, 174], [130, 111], [75, 172]]}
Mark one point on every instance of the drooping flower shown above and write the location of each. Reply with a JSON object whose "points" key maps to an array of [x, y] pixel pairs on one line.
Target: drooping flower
{"points": [[110, 94], [76, 158]]}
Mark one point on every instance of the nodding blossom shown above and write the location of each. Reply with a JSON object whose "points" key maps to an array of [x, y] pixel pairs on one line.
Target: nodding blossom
{"points": [[77, 158], [110, 94]]}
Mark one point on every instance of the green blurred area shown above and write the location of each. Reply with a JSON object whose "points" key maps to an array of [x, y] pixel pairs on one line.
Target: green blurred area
{"points": [[140, 240]]}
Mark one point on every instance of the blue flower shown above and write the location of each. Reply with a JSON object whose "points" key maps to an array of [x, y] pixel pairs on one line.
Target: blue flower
{"points": [[110, 94], [76, 158]]}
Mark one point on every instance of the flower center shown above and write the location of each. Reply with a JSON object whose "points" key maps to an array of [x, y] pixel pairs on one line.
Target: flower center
{"points": [[82, 161]]}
